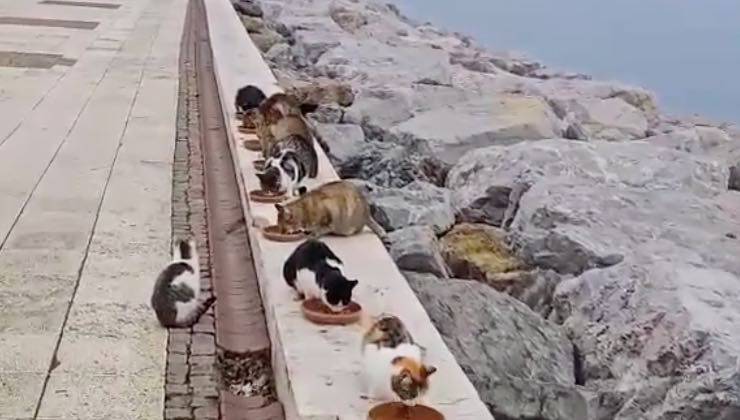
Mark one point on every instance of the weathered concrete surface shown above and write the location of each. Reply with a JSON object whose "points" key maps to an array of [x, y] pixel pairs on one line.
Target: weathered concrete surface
{"points": [[311, 385], [85, 177]]}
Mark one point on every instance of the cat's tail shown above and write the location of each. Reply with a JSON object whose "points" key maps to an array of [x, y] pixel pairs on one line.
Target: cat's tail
{"points": [[198, 312], [377, 229], [185, 250]]}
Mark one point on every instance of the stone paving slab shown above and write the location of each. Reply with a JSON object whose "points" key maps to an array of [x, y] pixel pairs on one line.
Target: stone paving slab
{"points": [[85, 176]]}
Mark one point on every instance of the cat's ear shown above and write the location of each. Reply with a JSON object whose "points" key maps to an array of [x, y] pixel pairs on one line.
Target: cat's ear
{"points": [[352, 284], [280, 208], [429, 370]]}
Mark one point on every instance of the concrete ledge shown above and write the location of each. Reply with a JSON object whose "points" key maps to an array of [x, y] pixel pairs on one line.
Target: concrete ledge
{"points": [[318, 369]]}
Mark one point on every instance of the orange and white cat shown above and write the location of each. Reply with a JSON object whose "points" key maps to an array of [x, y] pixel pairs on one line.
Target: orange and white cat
{"points": [[393, 362]]}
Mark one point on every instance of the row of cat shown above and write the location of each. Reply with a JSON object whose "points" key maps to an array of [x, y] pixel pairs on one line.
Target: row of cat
{"points": [[393, 362], [286, 138], [288, 146]]}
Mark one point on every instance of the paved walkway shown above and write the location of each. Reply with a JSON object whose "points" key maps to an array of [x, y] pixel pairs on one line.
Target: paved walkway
{"points": [[88, 95]]}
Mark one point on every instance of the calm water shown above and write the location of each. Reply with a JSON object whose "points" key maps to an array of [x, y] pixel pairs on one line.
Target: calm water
{"points": [[687, 51]]}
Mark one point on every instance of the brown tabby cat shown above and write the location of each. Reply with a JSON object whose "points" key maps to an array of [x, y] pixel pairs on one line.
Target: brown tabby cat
{"points": [[279, 116], [334, 208]]}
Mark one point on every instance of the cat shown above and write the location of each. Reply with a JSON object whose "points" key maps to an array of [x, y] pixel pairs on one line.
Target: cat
{"points": [[393, 362], [248, 98], [177, 289], [281, 115], [284, 173], [314, 271], [336, 208], [290, 162]]}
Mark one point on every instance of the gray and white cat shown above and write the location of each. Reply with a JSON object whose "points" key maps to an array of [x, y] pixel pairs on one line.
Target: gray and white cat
{"points": [[177, 289], [291, 160]]}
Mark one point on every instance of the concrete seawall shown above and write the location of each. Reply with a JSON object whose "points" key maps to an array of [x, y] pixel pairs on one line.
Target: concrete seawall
{"points": [[317, 369]]}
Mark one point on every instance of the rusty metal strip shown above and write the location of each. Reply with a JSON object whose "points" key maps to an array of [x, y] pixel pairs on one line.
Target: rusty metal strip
{"points": [[241, 330]]}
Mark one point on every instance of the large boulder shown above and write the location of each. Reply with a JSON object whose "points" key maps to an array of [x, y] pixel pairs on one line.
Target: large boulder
{"points": [[322, 92], [347, 19], [479, 252], [393, 164], [248, 8], [418, 203], [521, 364], [658, 336], [484, 179], [653, 308], [453, 130], [345, 141], [610, 119], [416, 248]]}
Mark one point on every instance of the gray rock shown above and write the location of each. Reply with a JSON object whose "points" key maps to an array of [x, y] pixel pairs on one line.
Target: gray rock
{"points": [[349, 20], [700, 140], [416, 249], [662, 329], [734, 181], [383, 106], [610, 119], [393, 164], [418, 203], [453, 130], [483, 178], [521, 365], [266, 39], [345, 141], [474, 62], [253, 25], [248, 7], [382, 63], [328, 114]]}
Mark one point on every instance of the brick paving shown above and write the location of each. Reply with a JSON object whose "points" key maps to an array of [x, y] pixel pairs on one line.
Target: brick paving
{"points": [[232, 336], [191, 390]]}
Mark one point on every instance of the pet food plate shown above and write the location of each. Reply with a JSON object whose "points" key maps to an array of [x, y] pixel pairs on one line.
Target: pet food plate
{"points": [[315, 311], [274, 233], [253, 145], [259, 165], [400, 411], [259, 196]]}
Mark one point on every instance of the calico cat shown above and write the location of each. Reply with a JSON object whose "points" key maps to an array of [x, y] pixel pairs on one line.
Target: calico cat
{"points": [[315, 272], [177, 289], [248, 98], [393, 362], [334, 208]]}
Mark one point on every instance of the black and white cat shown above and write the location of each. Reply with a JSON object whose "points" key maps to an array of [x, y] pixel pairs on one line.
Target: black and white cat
{"points": [[315, 272], [284, 173], [177, 289]]}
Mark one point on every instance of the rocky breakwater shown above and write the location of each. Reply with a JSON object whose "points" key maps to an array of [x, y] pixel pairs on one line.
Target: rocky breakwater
{"points": [[578, 250]]}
